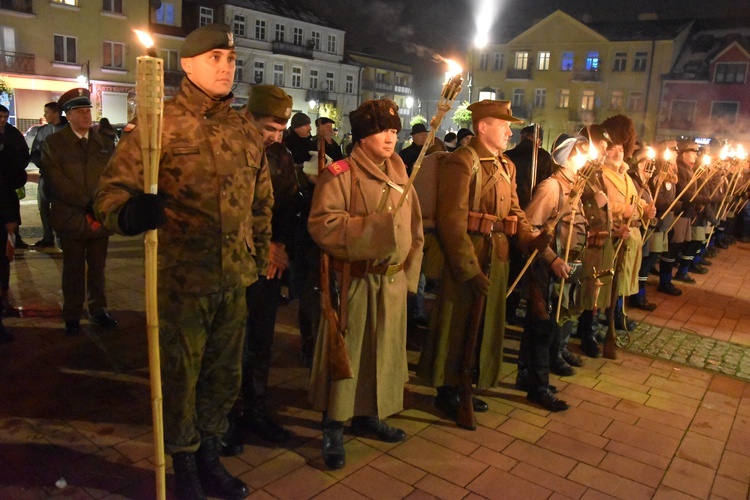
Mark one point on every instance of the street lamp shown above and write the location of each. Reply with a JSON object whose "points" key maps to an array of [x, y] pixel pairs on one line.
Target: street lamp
{"points": [[409, 104], [84, 80]]}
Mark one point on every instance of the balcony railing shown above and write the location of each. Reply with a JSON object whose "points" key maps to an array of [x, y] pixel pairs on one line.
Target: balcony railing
{"points": [[519, 74], [291, 49], [17, 5], [587, 76], [16, 62]]}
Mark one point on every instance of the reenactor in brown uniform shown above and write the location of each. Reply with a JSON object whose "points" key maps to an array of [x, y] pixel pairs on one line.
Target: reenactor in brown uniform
{"points": [[213, 212], [476, 194], [375, 248]]}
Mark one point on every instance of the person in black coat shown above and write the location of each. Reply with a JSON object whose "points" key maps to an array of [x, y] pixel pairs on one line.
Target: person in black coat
{"points": [[14, 157]]}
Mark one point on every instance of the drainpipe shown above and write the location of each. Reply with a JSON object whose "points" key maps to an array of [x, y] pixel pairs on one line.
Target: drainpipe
{"points": [[648, 91]]}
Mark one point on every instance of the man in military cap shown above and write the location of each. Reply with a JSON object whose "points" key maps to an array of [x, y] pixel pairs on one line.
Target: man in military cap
{"points": [[325, 129], [375, 247], [476, 194], [213, 213], [268, 109], [73, 159], [410, 154]]}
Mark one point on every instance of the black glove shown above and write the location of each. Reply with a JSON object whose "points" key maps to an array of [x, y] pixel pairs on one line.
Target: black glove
{"points": [[141, 213]]}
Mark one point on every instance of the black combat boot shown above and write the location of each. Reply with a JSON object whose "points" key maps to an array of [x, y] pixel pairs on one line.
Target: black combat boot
{"points": [[187, 483], [557, 363], [333, 444], [215, 479], [232, 442], [589, 346]]}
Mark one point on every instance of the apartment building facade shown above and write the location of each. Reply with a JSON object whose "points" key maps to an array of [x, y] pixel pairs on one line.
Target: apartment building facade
{"points": [[564, 74]]}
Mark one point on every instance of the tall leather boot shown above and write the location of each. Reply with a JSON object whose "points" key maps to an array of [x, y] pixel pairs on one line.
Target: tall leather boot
{"points": [[557, 364], [333, 443], [187, 482], [255, 418], [215, 479], [541, 333], [589, 345]]}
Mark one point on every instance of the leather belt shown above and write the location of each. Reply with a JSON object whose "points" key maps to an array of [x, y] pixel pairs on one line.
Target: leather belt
{"points": [[361, 268]]}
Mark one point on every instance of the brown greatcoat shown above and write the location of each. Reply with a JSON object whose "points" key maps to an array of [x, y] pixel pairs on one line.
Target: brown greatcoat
{"points": [[442, 353], [344, 222]]}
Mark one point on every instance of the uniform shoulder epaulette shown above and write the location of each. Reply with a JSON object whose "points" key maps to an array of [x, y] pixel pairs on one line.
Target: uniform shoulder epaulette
{"points": [[338, 167], [129, 127]]}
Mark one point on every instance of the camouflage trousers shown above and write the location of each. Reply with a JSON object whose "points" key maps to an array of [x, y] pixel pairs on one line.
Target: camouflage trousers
{"points": [[201, 338]]}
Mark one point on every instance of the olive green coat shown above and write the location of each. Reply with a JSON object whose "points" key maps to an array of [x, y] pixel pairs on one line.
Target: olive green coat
{"points": [[442, 352], [345, 223]]}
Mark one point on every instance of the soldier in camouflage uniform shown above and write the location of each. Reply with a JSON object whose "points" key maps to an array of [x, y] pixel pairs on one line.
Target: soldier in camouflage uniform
{"points": [[213, 212]]}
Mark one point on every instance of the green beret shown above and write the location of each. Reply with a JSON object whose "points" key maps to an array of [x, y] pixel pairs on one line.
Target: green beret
{"points": [[74, 98], [208, 37], [270, 100]]}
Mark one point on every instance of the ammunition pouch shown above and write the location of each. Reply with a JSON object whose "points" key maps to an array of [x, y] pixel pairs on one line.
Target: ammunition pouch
{"points": [[484, 224], [596, 238]]}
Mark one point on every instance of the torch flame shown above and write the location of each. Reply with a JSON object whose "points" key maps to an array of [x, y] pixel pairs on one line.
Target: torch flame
{"points": [[650, 153], [741, 153], [706, 160], [144, 38], [579, 160], [593, 151], [453, 68], [724, 152], [667, 155]]}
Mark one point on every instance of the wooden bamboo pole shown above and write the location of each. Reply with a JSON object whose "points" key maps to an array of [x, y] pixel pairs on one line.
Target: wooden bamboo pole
{"points": [[149, 109]]}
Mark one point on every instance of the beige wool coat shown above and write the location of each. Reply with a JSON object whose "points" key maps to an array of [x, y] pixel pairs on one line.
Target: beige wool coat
{"points": [[345, 224]]}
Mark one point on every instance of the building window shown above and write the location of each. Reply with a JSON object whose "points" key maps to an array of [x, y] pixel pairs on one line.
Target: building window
{"points": [[65, 49], [540, 98], [635, 101], [239, 25], [724, 113], [621, 61], [165, 14], [563, 98], [349, 84], [518, 98], [171, 59], [543, 64], [278, 75], [296, 77], [114, 6], [641, 61], [113, 55], [239, 70], [568, 59], [259, 74], [330, 82], [592, 61], [260, 29], [206, 16], [315, 40], [66, 2], [279, 33], [380, 77], [587, 100], [332, 44], [616, 99], [497, 63], [682, 113], [313, 79], [522, 60], [730, 72], [298, 36], [483, 58]]}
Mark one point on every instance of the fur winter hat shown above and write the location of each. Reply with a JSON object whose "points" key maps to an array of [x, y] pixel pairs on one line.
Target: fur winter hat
{"points": [[622, 131], [374, 116]]}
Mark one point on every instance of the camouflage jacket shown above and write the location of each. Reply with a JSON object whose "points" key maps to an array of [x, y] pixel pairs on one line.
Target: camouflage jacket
{"points": [[217, 190]]}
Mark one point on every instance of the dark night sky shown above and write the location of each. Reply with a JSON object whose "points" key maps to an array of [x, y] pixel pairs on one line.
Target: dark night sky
{"points": [[410, 30]]}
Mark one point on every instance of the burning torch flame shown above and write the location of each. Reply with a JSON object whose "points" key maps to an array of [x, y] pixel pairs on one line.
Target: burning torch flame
{"points": [[453, 68], [144, 38], [706, 160], [579, 161], [593, 151], [724, 152], [667, 155], [741, 153], [650, 153]]}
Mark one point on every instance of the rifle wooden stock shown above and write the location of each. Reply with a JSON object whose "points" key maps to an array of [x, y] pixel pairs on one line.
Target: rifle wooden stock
{"points": [[609, 349], [339, 363], [465, 412]]}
